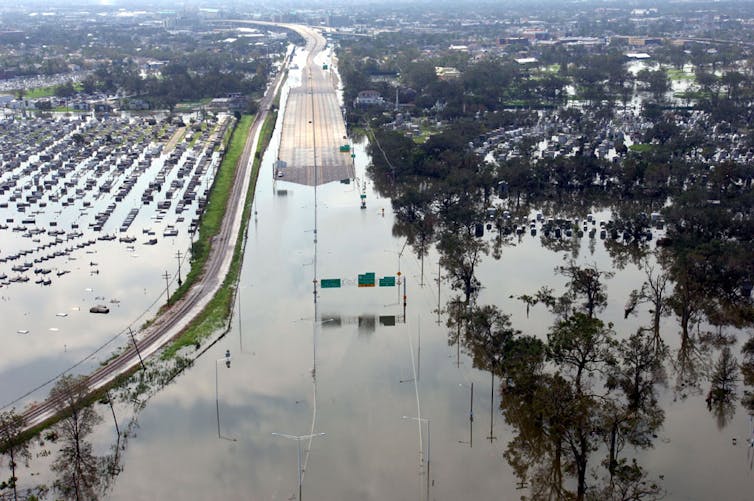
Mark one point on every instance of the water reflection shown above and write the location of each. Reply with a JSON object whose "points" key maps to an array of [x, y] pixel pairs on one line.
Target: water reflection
{"points": [[585, 381], [600, 424], [92, 194]]}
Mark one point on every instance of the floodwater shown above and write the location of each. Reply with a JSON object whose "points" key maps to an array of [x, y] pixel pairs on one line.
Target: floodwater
{"points": [[353, 364], [358, 397], [49, 329]]}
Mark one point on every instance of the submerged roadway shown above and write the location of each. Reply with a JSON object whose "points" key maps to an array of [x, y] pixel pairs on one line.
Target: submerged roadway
{"points": [[178, 316]]}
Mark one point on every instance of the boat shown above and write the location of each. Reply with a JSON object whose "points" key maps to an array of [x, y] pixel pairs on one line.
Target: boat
{"points": [[100, 308]]}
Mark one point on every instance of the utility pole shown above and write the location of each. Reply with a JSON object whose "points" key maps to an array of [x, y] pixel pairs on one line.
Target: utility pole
{"points": [[179, 256], [439, 278], [136, 346], [492, 402], [166, 276]]}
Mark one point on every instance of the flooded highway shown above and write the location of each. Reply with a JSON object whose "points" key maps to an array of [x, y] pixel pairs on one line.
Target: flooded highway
{"points": [[380, 401], [380, 382]]}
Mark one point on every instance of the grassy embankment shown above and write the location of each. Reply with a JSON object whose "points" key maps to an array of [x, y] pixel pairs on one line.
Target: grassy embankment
{"points": [[214, 314], [213, 317]]}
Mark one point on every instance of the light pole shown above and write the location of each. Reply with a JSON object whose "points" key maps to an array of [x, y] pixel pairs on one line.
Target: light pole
{"points": [[429, 444], [471, 414], [492, 404], [240, 324], [298, 439], [400, 254], [439, 280], [317, 325], [225, 359]]}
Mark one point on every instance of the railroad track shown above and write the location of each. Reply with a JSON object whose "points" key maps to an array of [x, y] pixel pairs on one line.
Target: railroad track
{"points": [[174, 320]]}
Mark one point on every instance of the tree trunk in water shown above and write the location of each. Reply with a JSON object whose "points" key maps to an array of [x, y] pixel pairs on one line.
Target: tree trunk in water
{"points": [[13, 473], [611, 465]]}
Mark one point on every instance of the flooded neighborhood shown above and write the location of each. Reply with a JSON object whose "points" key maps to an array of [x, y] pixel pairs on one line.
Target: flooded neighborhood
{"points": [[377, 251]]}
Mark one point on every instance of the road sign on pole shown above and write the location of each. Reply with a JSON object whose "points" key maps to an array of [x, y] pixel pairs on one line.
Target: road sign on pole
{"points": [[366, 280], [329, 283], [387, 282]]}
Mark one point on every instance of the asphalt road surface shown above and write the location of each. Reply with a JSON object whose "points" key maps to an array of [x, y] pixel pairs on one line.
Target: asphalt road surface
{"points": [[313, 126]]}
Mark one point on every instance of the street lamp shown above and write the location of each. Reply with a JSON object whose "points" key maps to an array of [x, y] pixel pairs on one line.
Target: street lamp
{"points": [[429, 436], [429, 444], [240, 325], [471, 414], [399, 254], [298, 439], [225, 359], [471, 399]]}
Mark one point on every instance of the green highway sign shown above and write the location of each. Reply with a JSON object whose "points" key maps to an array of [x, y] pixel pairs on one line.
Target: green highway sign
{"points": [[329, 283], [366, 280], [387, 282]]}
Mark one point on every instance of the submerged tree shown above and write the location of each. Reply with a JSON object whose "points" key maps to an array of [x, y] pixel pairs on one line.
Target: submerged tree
{"points": [[722, 395], [567, 397], [14, 446], [562, 409], [461, 253], [654, 292], [747, 371], [489, 337], [586, 284], [581, 345], [633, 418], [77, 467]]}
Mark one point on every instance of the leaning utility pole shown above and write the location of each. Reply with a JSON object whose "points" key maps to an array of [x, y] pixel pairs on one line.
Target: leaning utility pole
{"points": [[136, 346]]}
